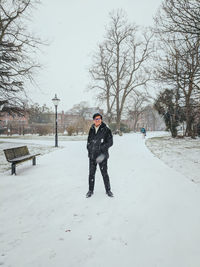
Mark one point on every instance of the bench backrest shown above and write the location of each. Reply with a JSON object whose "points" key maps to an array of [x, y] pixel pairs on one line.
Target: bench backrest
{"points": [[16, 152]]}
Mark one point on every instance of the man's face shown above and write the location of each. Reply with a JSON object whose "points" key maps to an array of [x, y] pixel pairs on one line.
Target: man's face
{"points": [[97, 121]]}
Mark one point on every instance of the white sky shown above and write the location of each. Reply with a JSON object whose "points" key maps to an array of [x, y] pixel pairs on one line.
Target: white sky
{"points": [[74, 28]]}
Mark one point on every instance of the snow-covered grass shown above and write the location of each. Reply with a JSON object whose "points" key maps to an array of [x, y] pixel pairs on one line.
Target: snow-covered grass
{"points": [[33, 149], [181, 154], [153, 220], [44, 137], [36, 144]]}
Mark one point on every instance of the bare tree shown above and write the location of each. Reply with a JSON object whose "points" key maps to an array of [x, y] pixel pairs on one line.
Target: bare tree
{"points": [[81, 123], [136, 106], [80, 109], [16, 45], [179, 16], [102, 80], [179, 69], [119, 65]]}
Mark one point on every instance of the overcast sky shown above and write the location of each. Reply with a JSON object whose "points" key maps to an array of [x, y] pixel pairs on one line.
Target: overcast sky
{"points": [[73, 29]]}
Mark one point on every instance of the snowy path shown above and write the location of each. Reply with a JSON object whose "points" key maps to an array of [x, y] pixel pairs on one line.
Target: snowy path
{"points": [[46, 221]]}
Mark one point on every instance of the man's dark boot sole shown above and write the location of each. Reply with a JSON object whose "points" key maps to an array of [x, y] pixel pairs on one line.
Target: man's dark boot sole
{"points": [[87, 196], [109, 195]]}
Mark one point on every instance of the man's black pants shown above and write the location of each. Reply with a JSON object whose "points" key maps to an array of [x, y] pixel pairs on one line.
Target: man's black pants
{"points": [[104, 172]]}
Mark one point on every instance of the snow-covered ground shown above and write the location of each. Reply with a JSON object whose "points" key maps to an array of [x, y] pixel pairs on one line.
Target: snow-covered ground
{"points": [[181, 154], [33, 149], [50, 138], [36, 144], [153, 220]]}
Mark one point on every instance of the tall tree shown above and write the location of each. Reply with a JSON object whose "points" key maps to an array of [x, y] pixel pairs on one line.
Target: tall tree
{"points": [[179, 69], [119, 65], [16, 46], [178, 29]]}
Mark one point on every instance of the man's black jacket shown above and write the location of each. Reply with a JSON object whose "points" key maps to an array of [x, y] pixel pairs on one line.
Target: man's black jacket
{"points": [[99, 143]]}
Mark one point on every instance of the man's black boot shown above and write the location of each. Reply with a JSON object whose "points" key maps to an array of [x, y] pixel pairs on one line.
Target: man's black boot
{"points": [[109, 193], [89, 193]]}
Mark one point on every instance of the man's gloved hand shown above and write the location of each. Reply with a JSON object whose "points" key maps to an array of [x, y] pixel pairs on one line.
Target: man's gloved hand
{"points": [[100, 158]]}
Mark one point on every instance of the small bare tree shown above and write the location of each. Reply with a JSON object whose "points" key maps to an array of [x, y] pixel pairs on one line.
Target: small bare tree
{"points": [[136, 106]]}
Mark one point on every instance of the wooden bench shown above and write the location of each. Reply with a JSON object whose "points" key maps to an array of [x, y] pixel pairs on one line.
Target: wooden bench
{"points": [[17, 155]]}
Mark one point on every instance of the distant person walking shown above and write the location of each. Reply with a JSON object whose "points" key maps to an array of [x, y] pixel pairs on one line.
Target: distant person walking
{"points": [[99, 140], [143, 131]]}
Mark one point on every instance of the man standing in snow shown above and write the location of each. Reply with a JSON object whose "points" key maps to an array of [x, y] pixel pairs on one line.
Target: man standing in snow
{"points": [[99, 140]]}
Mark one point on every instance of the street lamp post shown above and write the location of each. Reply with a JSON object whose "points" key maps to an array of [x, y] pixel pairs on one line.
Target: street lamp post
{"points": [[56, 101]]}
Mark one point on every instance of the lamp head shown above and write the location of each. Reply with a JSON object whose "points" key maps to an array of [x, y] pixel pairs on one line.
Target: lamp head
{"points": [[55, 100]]}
